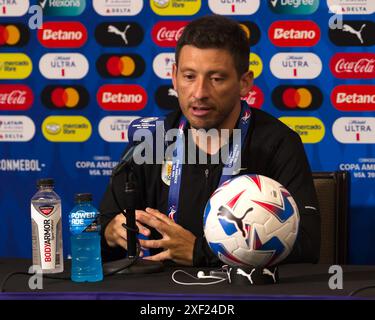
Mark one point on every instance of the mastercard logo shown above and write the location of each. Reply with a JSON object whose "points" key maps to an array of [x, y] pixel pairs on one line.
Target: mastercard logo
{"points": [[120, 66], [297, 97], [65, 97], [14, 35]]}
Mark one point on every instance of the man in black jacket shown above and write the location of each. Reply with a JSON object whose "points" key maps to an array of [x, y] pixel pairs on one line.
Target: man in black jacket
{"points": [[210, 77]]}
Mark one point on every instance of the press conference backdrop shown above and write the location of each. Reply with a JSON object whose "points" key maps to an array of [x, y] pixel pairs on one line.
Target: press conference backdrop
{"points": [[68, 92]]}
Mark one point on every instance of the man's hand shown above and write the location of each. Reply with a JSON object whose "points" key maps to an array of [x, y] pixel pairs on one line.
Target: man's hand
{"points": [[177, 242]]}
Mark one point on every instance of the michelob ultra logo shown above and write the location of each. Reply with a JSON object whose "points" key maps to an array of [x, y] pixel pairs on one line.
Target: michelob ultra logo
{"points": [[175, 7], [353, 33], [255, 97], [14, 35], [242, 7], [63, 66], [115, 129], [353, 65], [310, 129], [354, 97], [293, 6], [163, 64], [62, 8], [255, 65], [120, 65], [294, 33], [292, 97], [62, 34], [16, 129], [354, 130], [296, 65], [252, 31], [14, 97], [119, 34], [167, 33], [351, 7], [122, 97], [118, 7], [14, 8], [15, 66], [66, 128], [65, 97], [167, 98]]}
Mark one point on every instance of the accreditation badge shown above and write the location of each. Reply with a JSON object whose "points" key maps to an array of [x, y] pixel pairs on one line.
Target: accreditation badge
{"points": [[166, 172]]}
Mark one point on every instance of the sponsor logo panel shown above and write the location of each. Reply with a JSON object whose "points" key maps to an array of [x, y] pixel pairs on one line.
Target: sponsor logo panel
{"points": [[351, 7], [354, 97], [63, 97], [62, 8], [16, 129], [118, 7], [14, 35], [293, 6], [120, 65], [237, 7], [14, 8], [353, 33], [163, 64], [255, 65], [115, 129], [15, 97], [353, 65], [15, 66], [252, 31], [167, 33], [310, 129], [292, 97], [354, 130], [66, 128], [119, 34], [255, 97], [175, 7], [167, 98]]}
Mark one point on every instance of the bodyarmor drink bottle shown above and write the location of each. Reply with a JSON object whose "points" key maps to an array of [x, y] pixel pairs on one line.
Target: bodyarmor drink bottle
{"points": [[47, 228]]}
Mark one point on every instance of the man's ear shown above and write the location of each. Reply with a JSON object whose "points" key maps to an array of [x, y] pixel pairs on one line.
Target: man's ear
{"points": [[174, 76], [246, 83]]}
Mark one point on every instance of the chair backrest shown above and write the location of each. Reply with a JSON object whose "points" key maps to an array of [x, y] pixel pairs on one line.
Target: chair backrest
{"points": [[332, 189]]}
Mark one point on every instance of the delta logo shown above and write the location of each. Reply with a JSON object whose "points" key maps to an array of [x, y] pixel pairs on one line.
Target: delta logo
{"points": [[122, 97], [66, 128], [62, 8], [354, 97], [288, 98], [115, 129], [293, 6], [297, 33], [120, 65], [15, 66], [255, 97], [234, 7], [15, 97], [252, 31], [166, 97], [118, 7], [354, 130], [166, 33], [353, 65], [62, 35], [296, 65], [16, 129], [65, 97], [163, 64], [175, 7], [63, 66], [14, 8], [353, 33], [310, 129], [14, 35], [351, 7], [119, 34]]}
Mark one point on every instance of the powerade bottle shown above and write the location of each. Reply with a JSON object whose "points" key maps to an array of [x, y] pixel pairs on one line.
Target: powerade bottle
{"points": [[85, 240]]}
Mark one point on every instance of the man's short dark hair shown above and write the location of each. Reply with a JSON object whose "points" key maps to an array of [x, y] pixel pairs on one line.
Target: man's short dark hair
{"points": [[217, 32]]}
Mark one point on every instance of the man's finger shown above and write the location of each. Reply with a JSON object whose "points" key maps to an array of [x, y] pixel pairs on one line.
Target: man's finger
{"points": [[156, 213], [159, 257], [143, 230], [151, 244], [152, 221]]}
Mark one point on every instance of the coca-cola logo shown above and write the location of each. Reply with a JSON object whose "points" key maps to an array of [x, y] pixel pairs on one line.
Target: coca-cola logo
{"points": [[167, 33], [255, 97], [62, 35], [15, 97], [354, 97], [353, 65]]}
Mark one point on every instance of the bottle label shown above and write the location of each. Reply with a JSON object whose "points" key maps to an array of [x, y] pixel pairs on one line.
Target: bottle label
{"points": [[83, 221]]}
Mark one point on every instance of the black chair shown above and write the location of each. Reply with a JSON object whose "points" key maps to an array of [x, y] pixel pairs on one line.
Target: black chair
{"points": [[332, 189]]}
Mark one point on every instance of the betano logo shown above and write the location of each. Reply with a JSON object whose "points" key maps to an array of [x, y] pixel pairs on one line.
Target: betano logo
{"points": [[290, 97], [354, 130], [294, 33], [354, 97], [63, 66], [66, 128], [14, 35], [16, 129], [162, 65], [15, 97], [120, 66], [310, 129], [65, 97], [296, 65], [255, 64], [293, 6], [353, 65], [252, 31], [166, 33], [62, 8], [351, 7], [115, 129], [15, 66], [122, 97], [62, 34], [118, 7], [234, 7], [13, 8], [175, 7], [255, 97], [119, 34]]}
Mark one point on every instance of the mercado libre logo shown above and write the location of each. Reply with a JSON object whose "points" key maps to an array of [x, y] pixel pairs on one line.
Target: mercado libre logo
{"points": [[119, 34], [175, 7], [244, 7], [15, 66], [66, 128], [13, 8], [118, 7], [255, 64], [292, 97], [310, 129], [293, 7], [120, 65], [15, 97], [65, 97], [62, 8], [14, 35]]}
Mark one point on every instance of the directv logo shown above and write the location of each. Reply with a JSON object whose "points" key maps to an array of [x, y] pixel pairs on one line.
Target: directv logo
{"points": [[294, 6]]}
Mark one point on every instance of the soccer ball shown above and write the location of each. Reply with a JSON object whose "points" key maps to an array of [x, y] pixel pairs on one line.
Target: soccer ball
{"points": [[251, 220]]}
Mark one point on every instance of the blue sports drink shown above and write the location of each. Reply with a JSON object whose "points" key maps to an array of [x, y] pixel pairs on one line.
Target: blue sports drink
{"points": [[85, 240]]}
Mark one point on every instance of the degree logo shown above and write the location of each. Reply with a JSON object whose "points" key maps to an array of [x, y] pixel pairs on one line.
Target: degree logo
{"points": [[65, 97], [16, 129], [62, 8], [238, 7], [255, 65], [293, 6], [66, 128], [351, 7], [15, 97], [167, 98], [353, 65], [15, 66], [14, 8], [252, 31], [306, 97], [167, 33], [310, 129], [119, 34], [175, 7], [353, 33], [354, 97], [118, 7], [354, 130], [120, 66], [115, 129], [14, 35], [255, 97]]}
